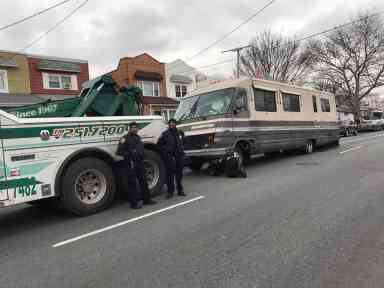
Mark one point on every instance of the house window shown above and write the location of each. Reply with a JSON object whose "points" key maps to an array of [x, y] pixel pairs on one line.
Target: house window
{"points": [[54, 81], [3, 81], [291, 102], [149, 88], [168, 114], [265, 100], [181, 90], [66, 81], [156, 112], [325, 106], [59, 81], [314, 104]]}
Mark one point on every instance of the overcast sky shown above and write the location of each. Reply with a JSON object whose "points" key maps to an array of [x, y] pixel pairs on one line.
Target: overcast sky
{"points": [[104, 31]]}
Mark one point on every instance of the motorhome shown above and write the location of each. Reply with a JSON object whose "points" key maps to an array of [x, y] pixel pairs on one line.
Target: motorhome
{"points": [[252, 116], [372, 121]]}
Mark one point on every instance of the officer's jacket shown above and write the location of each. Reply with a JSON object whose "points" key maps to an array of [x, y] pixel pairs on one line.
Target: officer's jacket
{"points": [[131, 147], [171, 142]]}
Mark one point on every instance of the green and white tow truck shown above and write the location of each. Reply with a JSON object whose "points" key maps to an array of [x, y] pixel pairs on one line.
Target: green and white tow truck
{"points": [[71, 161]]}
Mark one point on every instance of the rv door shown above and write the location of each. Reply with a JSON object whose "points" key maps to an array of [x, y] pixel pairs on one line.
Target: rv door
{"points": [[240, 103], [316, 103]]}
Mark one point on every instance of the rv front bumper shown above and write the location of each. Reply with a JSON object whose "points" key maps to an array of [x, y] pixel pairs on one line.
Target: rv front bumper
{"points": [[209, 152]]}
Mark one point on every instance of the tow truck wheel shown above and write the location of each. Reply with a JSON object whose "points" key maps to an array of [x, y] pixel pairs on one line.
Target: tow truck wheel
{"points": [[154, 171], [88, 186]]}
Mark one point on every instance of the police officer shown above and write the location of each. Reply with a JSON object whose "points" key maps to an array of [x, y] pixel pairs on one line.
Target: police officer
{"points": [[131, 147], [171, 144]]}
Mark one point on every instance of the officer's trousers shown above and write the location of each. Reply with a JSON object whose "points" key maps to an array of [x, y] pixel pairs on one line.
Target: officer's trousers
{"points": [[175, 166], [137, 183]]}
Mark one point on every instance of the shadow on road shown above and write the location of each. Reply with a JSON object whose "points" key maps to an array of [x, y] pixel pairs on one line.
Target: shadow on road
{"points": [[22, 218], [16, 220]]}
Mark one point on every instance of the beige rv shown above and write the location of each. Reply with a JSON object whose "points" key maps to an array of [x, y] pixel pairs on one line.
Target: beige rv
{"points": [[252, 116]]}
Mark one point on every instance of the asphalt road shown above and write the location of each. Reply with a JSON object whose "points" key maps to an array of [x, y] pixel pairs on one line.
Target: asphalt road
{"points": [[296, 221]]}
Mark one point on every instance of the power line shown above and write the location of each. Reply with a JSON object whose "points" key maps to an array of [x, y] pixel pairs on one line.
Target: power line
{"points": [[317, 33], [54, 26], [208, 66], [338, 27], [33, 15], [233, 30], [239, 49], [298, 40]]}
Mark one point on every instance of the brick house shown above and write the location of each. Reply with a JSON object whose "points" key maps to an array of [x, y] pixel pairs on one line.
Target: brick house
{"points": [[149, 74], [29, 79], [56, 78]]}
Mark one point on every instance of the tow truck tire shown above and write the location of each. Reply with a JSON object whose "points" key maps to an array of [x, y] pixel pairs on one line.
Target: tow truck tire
{"points": [[88, 186], [155, 171]]}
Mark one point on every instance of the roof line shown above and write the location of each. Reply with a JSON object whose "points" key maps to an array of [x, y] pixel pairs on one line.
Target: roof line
{"points": [[45, 57]]}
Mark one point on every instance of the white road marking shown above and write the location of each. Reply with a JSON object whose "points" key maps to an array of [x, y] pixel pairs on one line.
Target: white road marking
{"points": [[351, 149], [95, 232], [361, 139]]}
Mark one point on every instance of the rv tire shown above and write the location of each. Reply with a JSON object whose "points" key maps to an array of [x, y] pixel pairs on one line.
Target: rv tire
{"points": [[309, 147], [196, 164]]}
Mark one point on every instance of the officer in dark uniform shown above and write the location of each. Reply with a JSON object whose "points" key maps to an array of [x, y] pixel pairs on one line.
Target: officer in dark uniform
{"points": [[171, 144], [131, 147]]}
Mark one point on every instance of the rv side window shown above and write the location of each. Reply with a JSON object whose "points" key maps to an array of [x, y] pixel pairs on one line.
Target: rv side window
{"points": [[325, 106], [291, 102], [314, 104], [240, 102], [265, 100]]}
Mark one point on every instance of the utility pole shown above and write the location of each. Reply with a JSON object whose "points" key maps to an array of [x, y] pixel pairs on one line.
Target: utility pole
{"points": [[237, 50]]}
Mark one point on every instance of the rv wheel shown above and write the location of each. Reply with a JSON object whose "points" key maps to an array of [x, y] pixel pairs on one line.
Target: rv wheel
{"points": [[196, 164], [309, 147]]}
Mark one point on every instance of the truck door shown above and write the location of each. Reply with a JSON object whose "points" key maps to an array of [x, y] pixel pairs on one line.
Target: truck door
{"points": [[3, 172], [316, 109], [240, 111]]}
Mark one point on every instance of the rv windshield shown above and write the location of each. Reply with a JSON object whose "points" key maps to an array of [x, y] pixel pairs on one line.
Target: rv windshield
{"points": [[204, 105]]}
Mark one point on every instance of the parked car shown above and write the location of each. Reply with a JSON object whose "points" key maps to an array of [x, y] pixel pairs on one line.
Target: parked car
{"points": [[348, 128], [371, 125]]}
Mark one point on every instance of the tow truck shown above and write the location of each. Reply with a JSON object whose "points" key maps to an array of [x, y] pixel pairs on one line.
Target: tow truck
{"points": [[63, 153]]}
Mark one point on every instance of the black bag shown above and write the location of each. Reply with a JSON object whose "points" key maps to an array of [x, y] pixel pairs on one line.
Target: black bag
{"points": [[234, 167]]}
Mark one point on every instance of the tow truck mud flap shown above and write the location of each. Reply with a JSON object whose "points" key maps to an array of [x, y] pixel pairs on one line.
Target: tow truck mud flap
{"points": [[3, 188], [3, 195]]}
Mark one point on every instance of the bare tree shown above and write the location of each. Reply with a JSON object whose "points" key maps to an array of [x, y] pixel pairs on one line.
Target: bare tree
{"points": [[275, 57], [351, 60]]}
